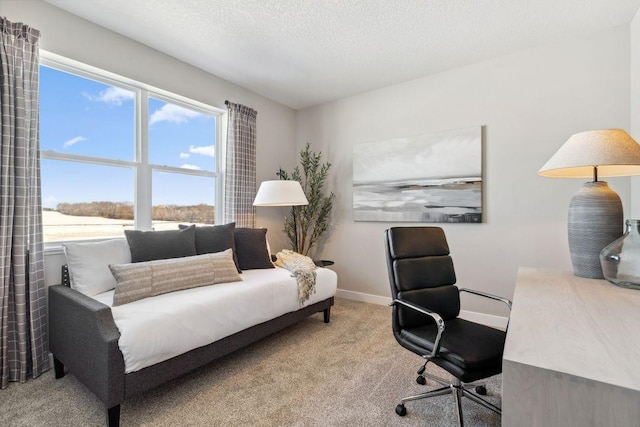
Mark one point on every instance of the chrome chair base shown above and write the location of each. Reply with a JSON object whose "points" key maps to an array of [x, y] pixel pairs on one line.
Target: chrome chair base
{"points": [[455, 388]]}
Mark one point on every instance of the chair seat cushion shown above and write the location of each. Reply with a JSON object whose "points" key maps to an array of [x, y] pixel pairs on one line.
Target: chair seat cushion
{"points": [[468, 345]]}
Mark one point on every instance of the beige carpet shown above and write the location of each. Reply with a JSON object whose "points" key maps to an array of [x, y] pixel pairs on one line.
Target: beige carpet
{"points": [[350, 372]]}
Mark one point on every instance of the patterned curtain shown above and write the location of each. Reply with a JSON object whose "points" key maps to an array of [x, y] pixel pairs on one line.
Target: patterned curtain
{"points": [[240, 175], [24, 348]]}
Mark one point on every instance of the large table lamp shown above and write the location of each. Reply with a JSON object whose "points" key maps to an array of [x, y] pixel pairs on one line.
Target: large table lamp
{"points": [[595, 216], [281, 193]]}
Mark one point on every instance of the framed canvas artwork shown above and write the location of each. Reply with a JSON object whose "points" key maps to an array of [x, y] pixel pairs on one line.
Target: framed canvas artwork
{"points": [[435, 177]]}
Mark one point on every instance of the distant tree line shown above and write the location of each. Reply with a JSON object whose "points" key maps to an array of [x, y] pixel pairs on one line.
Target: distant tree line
{"points": [[201, 213]]}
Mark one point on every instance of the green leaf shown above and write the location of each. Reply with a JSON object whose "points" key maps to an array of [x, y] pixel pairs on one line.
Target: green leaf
{"points": [[306, 225]]}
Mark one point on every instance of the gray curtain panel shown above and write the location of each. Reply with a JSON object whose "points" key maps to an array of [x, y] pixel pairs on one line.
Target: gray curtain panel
{"points": [[24, 348], [240, 175]]}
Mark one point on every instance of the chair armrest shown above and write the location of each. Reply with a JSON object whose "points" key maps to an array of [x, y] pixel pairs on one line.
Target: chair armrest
{"points": [[84, 337], [435, 316], [486, 295], [490, 296]]}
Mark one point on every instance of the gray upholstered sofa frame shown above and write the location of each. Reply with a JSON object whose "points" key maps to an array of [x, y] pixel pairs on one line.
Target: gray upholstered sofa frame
{"points": [[83, 338]]}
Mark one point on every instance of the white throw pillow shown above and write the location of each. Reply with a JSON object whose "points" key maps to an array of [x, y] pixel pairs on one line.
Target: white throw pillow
{"points": [[88, 264]]}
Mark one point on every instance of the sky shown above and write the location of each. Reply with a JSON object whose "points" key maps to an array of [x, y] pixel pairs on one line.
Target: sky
{"points": [[86, 117], [448, 154]]}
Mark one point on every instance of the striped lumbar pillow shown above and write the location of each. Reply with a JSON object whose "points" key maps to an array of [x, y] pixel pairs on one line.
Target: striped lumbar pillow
{"points": [[145, 279]]}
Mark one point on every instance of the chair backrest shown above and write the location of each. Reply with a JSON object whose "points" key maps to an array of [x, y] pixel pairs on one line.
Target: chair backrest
{"points": [[421, 271]]}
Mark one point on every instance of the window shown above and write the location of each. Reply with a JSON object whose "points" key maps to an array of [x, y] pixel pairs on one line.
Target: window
{"points": [[117, 154]]}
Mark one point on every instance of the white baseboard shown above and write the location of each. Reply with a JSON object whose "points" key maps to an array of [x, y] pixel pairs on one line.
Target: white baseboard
{"points": [[486, 319], [359, 296]]}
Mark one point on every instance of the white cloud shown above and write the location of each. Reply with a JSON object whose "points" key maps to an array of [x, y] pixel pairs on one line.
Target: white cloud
{"points": [[188, 166], [205, 150], [115, 95], [112, 95], [73, 141], [172, 113], [455, 153], [185, 155]]}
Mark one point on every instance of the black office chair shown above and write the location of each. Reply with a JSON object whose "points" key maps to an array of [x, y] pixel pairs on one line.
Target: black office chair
{"points": [[426, 305]]}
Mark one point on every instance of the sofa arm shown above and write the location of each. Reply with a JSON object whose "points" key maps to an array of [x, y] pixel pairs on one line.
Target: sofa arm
{"points": [[84, 338]]}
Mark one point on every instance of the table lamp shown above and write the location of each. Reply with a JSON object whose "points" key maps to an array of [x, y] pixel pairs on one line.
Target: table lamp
{"points": [[281, 193], [595, 216]]}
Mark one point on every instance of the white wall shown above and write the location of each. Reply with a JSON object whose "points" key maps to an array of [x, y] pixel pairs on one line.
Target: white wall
{"points": [[635, 106], [75, 38], [529, 102]]}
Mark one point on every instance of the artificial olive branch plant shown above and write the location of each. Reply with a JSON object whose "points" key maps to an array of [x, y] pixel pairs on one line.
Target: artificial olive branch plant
{"points": [[305, 225]]}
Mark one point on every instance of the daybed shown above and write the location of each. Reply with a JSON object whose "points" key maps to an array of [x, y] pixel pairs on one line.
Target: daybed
{"points": [[118, 351]]}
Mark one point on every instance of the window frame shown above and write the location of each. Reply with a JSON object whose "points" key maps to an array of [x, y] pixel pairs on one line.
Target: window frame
{"points": [[142, 169]]}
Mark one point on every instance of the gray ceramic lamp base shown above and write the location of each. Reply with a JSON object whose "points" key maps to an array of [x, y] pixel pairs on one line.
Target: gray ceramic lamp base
{"points": [[595, 220]]}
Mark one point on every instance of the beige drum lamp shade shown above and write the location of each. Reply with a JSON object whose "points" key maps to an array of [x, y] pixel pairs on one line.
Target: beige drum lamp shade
{"points": [[612, 152]]}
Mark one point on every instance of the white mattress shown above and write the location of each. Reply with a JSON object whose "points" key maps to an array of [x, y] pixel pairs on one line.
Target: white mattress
{"points": [[155, 329]]}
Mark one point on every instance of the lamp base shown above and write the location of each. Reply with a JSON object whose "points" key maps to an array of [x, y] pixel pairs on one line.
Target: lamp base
{"points": [[595, 219]]}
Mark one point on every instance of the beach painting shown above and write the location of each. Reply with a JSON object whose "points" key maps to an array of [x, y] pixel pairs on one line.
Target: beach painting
{"points": [[435, 177]]}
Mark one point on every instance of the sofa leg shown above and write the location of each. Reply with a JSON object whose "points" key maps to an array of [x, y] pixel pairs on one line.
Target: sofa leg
{"points": [[58, 368], [113, 416], [327, 314]]}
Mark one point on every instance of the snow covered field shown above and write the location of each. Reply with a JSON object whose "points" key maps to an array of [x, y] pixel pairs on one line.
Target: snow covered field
{"points": [[58, 227]]}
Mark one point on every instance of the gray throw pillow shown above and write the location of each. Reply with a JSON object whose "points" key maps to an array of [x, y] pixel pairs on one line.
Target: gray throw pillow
{"points": [[152, 245], [215, 238], [251, 248]]}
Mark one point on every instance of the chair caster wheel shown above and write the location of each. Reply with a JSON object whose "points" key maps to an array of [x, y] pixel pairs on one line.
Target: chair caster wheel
{"points": [[421, 380], [481, 390], [401, 410]]}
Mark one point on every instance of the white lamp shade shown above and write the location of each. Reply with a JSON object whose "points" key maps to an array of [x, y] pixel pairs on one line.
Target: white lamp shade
{"points": [[612, 151], [280, 193]]}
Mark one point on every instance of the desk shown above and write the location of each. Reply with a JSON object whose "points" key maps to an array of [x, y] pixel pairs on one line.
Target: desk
{"points": [[572, 354]]}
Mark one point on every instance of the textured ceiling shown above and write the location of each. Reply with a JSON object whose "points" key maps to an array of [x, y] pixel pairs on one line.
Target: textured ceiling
{"points": [[306, 52]]}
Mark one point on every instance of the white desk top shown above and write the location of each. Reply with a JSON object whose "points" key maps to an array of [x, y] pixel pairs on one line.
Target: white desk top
{"points": [[584, 327]]}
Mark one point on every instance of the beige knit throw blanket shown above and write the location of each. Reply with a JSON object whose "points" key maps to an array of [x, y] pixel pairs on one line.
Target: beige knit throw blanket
{"points": [[302, 268]]}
